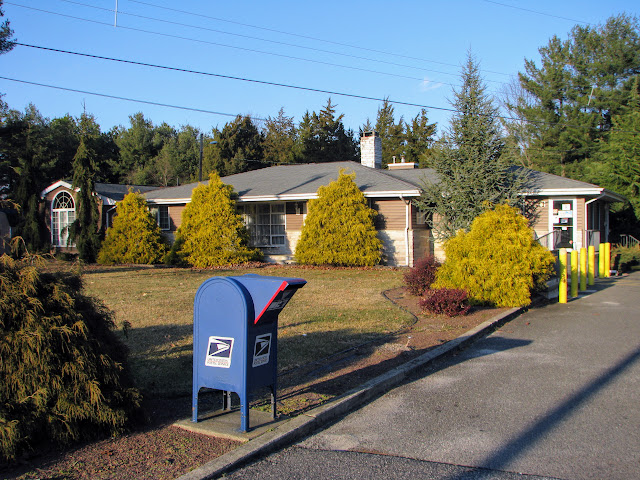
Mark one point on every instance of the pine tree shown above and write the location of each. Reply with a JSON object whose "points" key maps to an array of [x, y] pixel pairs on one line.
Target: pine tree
{"points": [[280, 140], [390, 132], [419, 138], [135, 235], [339, 228], [576, 90], [323, 138], [473, 176], [621, 153], [84, 231], [212, 232]]}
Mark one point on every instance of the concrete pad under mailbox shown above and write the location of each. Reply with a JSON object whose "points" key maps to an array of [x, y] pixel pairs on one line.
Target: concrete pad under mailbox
{"points": [[226, 424]]}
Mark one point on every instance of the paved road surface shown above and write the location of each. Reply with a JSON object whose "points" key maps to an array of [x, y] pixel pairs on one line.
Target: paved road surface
{"points": [[555, 393]]}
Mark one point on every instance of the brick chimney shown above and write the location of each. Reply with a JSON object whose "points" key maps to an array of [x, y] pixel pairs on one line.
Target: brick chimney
{"points": [[371, 150]]}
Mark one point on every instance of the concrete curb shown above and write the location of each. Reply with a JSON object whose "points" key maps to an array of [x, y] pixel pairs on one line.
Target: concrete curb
{"points": [[302, 425]]}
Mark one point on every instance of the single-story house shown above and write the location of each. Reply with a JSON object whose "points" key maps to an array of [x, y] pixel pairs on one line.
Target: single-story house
{"points": [[60, 208], [273, 201]]}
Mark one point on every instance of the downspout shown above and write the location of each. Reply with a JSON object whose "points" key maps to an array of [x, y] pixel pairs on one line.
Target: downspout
{"points": [[407, 221]]}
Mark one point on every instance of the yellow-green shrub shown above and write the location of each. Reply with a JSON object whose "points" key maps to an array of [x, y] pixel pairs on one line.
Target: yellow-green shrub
{"points": [[61, 363], [497, 262], [134, 237], [212, 232], [339, 227]]}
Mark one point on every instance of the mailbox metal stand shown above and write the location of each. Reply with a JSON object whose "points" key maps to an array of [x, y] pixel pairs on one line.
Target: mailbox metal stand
{"points": [[235, 337]]}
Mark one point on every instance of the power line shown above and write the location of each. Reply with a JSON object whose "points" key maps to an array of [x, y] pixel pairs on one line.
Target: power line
{"points": [[230, 77], [333, 42], [116, 97], [283, 85], [314, 49], [179, 37], [534, 11]]}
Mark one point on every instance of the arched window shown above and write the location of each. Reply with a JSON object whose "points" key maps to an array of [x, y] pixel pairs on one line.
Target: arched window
{"points": [[63, 214]]}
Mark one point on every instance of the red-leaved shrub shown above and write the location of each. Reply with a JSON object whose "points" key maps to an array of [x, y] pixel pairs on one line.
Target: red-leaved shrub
{"points": [[450, 301], [419, 278]]}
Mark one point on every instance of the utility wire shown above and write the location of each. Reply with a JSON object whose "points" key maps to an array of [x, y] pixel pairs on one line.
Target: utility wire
{"points": [[284, 85], [314, 49], [341, 44], [179, 37], [116, 97], [230, 77], [532, 11]]}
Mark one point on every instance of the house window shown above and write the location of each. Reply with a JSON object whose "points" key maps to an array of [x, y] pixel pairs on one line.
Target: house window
{"points": [[63, 214], [161, 214], [266, 224]]}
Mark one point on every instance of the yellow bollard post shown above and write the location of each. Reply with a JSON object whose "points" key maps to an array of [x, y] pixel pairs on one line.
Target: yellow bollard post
{"points": [[583, 269], [607, 259], [574, 273], [562, 261], [592, 265], [601, 261]]}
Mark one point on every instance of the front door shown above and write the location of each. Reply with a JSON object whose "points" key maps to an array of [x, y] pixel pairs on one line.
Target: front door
{"points": [[563, 221]]}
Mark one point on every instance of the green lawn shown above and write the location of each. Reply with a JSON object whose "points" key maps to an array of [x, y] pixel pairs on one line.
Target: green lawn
{"points": [[338, 308]]}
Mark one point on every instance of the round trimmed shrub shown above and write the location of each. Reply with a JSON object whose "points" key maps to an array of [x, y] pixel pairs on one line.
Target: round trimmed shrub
{"points": [[451, 302], [497, 262]]}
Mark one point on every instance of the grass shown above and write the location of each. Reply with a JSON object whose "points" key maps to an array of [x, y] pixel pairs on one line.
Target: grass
{"points": [[337, 309]]}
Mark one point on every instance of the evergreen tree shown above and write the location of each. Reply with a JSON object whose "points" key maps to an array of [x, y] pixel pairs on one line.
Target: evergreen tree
{"points": [[135, 235], [239, 148], [419, 138], [323, 138], [577, 89], [63, 367], [621, 154], [84, 230], [473, 176], [138, 146], [339, 228], [212, 233], [391, 133], [280, 140]]}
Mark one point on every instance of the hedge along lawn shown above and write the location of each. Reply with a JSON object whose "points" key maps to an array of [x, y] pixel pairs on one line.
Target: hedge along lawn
{"points": [[337, 309]]}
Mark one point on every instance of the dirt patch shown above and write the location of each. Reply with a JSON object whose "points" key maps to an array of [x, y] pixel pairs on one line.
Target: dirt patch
{"points": [[166, 452]]}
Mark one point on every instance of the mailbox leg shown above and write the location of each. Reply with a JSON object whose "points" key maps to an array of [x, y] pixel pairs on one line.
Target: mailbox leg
{"points": [[194, 405], [273, 402]]}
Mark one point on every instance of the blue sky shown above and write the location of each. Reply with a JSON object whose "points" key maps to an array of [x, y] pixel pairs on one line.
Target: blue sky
{"points": [[408, 51]]}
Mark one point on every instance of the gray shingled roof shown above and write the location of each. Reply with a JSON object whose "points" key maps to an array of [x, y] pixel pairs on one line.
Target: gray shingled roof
{"points": [[117, 192], [297, 181], [302, 181]]}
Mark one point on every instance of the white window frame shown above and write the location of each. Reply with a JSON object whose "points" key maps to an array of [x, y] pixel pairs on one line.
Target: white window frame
{"points": [[63, 214], [267, 224]]}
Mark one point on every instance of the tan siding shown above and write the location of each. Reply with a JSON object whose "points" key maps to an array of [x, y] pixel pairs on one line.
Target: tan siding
{"points": [[541, 216], [391, 214], [580, 220], [294, 222], [175, 214]]}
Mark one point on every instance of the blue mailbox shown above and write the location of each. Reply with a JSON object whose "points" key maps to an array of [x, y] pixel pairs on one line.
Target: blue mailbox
{"points": [[235, 336]]}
